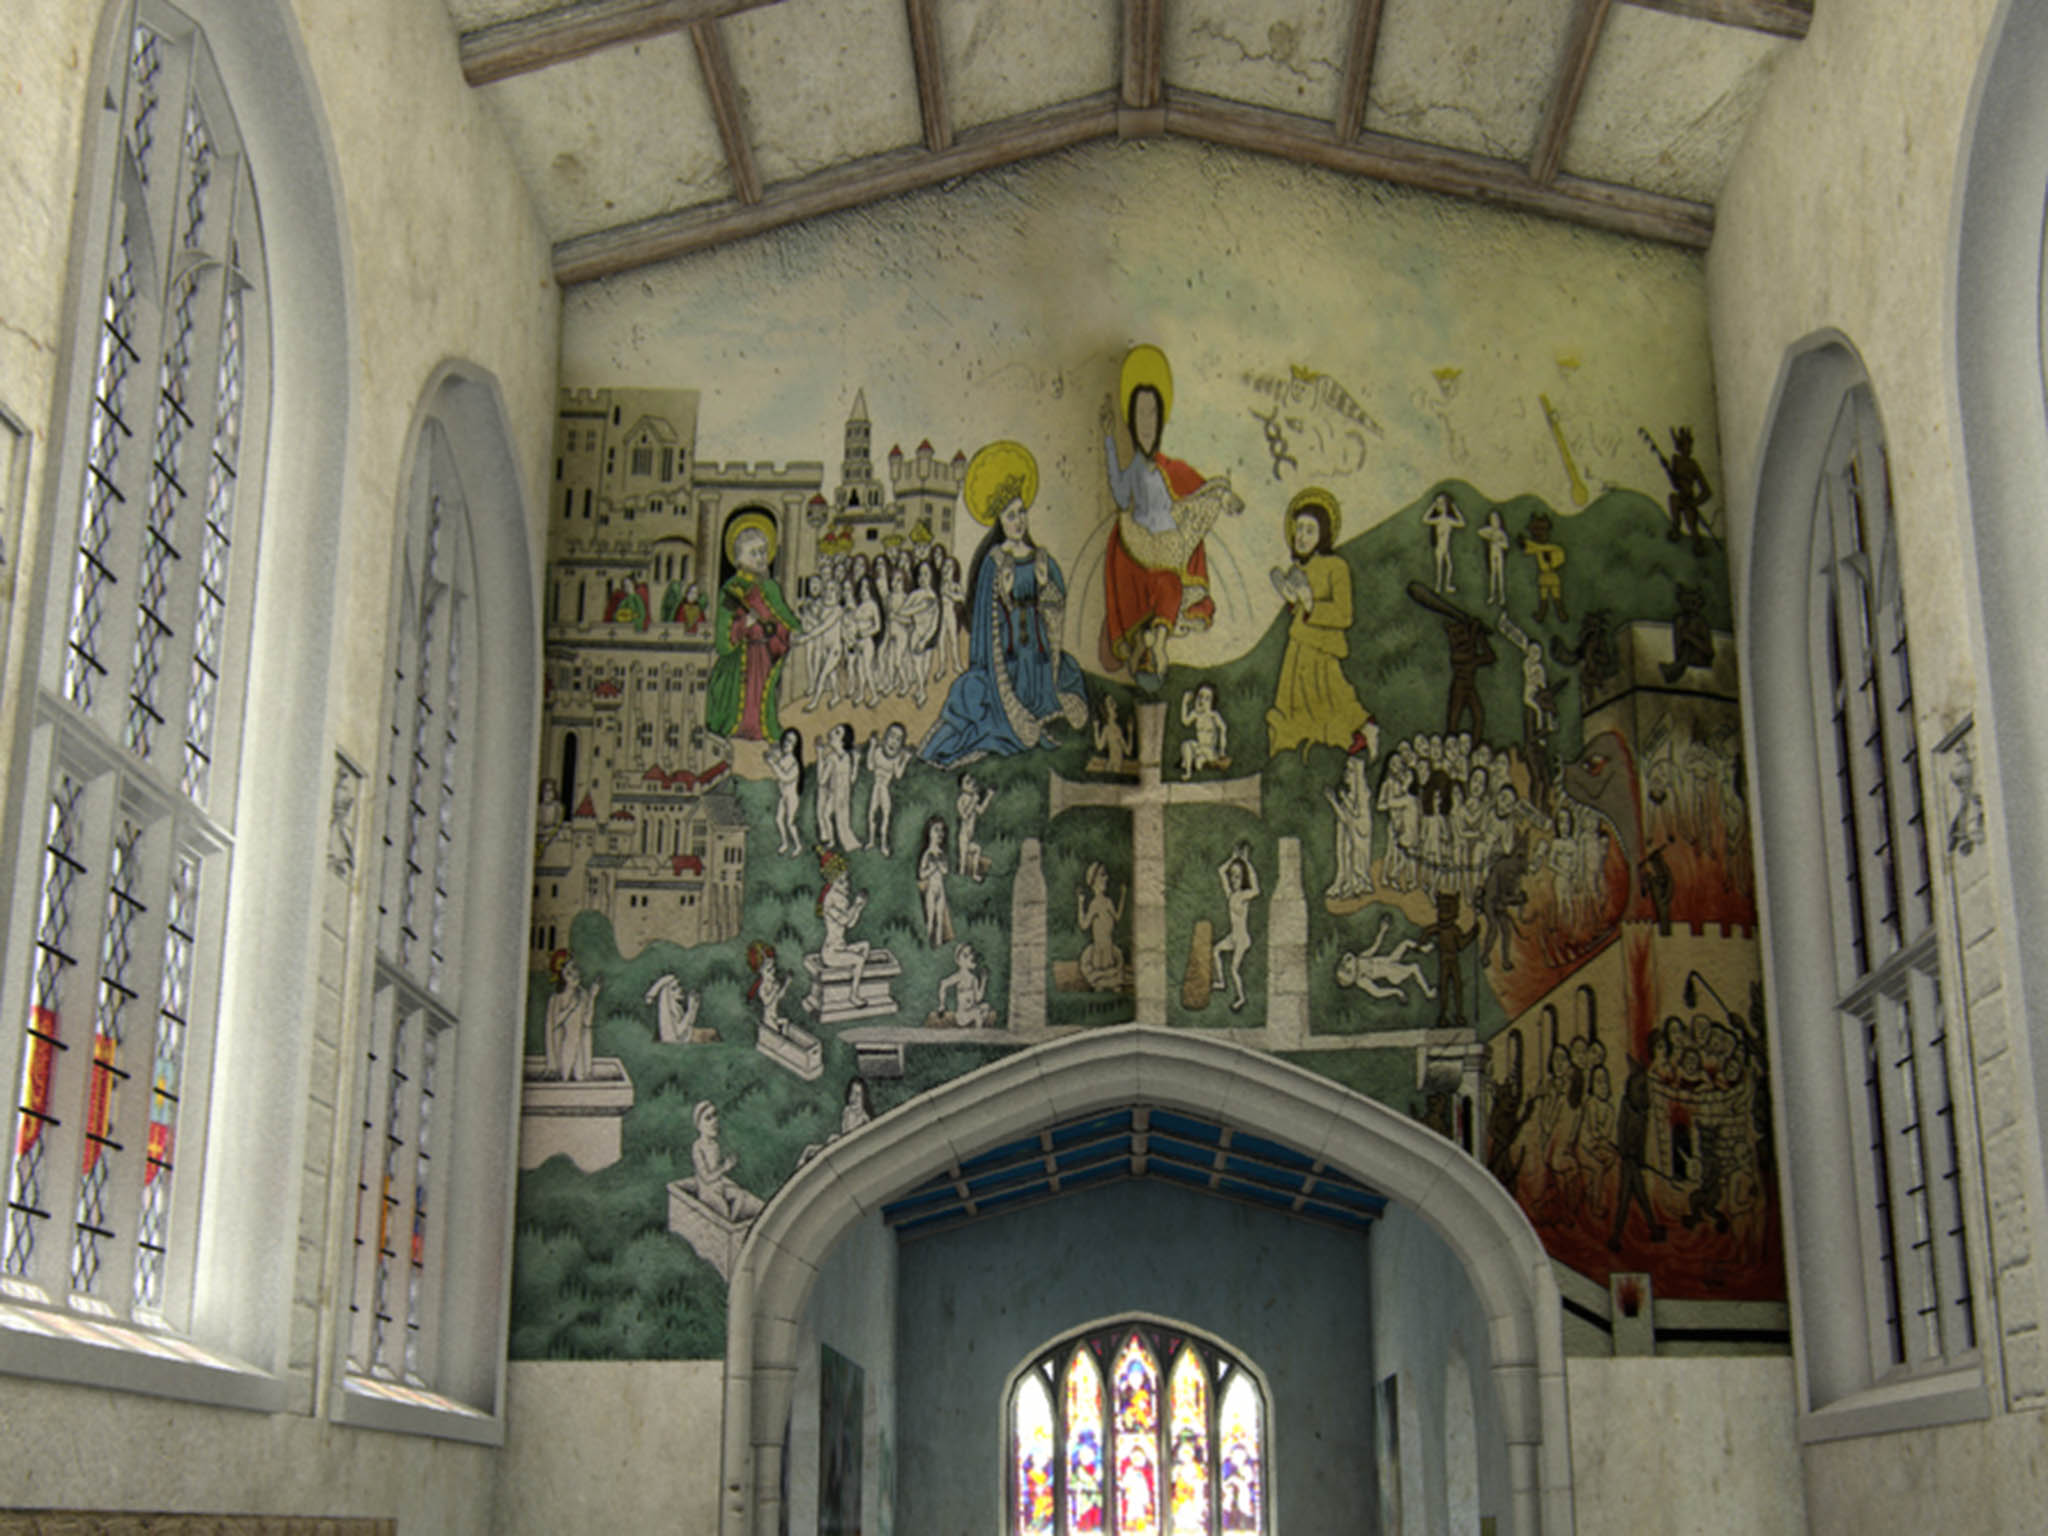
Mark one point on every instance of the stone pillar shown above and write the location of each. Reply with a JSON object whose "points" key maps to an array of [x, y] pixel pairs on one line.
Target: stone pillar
{"points": [[1287, 953], [1148, 875], [1027, 940]]}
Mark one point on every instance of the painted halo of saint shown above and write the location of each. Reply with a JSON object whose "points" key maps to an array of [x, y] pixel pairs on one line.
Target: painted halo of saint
{"points": [[1155, 568], [1313, 701], [1020, 684], [753, 632]]}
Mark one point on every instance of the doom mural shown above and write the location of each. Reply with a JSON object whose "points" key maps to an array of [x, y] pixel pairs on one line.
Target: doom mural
{"points": [[854, 781]]}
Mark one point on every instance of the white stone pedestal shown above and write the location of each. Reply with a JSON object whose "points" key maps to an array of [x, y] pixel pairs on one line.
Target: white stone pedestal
{"points": [[831, 996], [581, 1119]]}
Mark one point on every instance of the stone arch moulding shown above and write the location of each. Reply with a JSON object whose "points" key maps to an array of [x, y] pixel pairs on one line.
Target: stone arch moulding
{"points": [[1106, 1069], [1999, 359]]}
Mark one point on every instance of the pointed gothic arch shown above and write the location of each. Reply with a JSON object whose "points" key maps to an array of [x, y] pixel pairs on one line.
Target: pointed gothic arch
{"points": [[1138, 1064]]}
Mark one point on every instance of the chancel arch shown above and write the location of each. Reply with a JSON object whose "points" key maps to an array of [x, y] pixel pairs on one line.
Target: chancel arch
{"points": [[1424, 1176]]}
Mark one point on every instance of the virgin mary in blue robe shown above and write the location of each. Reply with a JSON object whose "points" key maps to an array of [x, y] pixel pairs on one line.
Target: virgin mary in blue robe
{"points": [[1020, 684]]}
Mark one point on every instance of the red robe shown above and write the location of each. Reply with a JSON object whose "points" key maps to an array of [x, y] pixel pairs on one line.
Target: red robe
{"points": [[1137, 595]]}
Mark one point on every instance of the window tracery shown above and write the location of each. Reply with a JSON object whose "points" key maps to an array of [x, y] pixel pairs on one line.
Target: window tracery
{"points": [[150, 615], [1137, 1428]]}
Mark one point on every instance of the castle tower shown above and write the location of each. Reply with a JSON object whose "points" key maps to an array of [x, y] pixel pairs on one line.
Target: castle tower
{"points": [[927, 488], [859, 490]]}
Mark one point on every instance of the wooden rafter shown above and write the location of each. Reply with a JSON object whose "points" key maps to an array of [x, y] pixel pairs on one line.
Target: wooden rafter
{"points": [[1504, 183], [1780, 18], [1144, 50], [1456, 172], [1024, 137], [1581, 43], [1358, 61], [528, 43], [931, 84], [725, 108]]}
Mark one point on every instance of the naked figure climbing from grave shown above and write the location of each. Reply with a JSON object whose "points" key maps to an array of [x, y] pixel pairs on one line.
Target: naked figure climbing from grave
{"points": [[768, 988], [931, 883], [571, 1011], [841, 906], [1240, 882], [1208, 742], [1156, 569], [785, 761], [714, 1184], [675, 1009], [963, 996], [1020, 685], [1095, 914], [886, 756]]}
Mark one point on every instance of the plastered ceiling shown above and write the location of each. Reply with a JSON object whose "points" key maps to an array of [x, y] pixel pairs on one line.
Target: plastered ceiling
{"points": [[647, 128]]}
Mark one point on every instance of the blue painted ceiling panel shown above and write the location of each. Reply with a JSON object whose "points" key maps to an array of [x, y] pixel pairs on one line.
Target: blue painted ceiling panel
{"points": [[1176, 1146]]}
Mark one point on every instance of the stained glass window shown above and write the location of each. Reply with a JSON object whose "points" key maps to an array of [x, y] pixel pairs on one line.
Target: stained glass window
{"points": [[1137, 1440], [1034, 1469], [1244, 1460], [1084, 1443], [144, 649], [1141, 1452], [1189, 1439], [415, 1007]]}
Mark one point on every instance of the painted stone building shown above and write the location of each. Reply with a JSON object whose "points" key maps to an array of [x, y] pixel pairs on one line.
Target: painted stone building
{"points": [[915, 508]]}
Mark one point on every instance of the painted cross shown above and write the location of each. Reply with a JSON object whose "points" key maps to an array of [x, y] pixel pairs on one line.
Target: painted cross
{"points": [[1147, 801]]}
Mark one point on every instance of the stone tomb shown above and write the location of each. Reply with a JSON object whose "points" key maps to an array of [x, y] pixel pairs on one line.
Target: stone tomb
{"points": [[581, 1119], [792, 1047], [831, 995], [715, 1236]]}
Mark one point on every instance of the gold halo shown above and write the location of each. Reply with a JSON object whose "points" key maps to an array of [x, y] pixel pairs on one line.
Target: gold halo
{"points": [[742, 523], [1146, 365], [995, 467], [1314, 496]]}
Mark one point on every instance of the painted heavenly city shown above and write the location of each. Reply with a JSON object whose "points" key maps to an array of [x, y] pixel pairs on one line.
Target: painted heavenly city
{"points": [[853, 782]]}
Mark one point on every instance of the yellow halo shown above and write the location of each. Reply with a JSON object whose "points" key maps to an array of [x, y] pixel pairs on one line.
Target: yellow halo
{"points": [[1146, 365], [1314, 496], [742, 523], [1000, 473]]}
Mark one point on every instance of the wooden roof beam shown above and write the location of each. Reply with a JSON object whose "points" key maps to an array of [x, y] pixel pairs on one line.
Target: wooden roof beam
{"points": [[1581, 43], [1780, 18], [1597, 204], [1026, 136], [1358, 61], [1144, 53], [725, 108], [527, 43], [931, 85]]}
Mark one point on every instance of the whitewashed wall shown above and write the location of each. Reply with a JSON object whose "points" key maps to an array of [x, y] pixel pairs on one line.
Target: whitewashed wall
{"points": [[1841, 215], [444, 259]]}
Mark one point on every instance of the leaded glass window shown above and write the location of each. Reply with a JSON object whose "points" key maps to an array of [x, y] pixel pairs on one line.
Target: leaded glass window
{"points": [[415, 1006], [1137, 1428], [130, 773], [1892, 1014]]}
